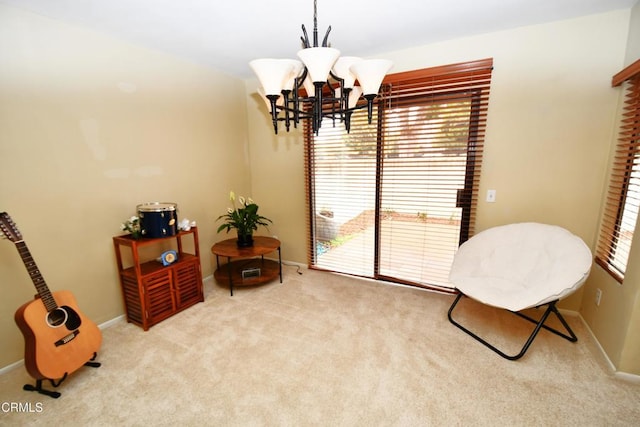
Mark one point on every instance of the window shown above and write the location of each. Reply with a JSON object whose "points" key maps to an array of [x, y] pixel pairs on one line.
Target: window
{"points": [[623, 196], [394, 199]]}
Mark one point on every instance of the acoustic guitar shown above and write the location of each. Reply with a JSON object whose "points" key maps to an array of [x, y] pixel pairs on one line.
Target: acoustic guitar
{"points": [[59, 339]]}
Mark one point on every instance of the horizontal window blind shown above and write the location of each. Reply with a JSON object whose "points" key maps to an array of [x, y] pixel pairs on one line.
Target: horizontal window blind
{"points": [[433, 141], [343, 179], [393, 199], [623, 196], [454, 101]]}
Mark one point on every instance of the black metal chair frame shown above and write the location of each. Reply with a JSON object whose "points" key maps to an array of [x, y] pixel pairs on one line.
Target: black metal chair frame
{"points": [[551, 308]]}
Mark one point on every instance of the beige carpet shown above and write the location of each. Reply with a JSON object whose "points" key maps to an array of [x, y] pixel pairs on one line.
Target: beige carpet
{"points": [[326, 350]]}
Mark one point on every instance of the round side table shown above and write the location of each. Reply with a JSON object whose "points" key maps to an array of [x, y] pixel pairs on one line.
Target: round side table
{"points": [[250, 267]]}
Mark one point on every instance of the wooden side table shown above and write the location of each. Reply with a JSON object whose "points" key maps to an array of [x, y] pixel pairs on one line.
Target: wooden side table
{"points": [[247, 269]]}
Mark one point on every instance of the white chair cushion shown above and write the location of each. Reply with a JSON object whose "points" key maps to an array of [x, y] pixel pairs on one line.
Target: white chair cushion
{"points": [[522, 265]]}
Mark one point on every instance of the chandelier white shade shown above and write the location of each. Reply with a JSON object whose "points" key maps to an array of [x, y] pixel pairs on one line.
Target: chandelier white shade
{"points": [[319, 61], [273, 74], [322, 84], [370, 74], [342, 68]]}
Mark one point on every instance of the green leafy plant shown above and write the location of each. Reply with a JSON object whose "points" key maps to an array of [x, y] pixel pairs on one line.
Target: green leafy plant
{"points": [[243, 218], [132, 225]]}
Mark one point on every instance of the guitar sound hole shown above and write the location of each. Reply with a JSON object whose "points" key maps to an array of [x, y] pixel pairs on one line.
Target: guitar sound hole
{"points": [[57, 317], [73, 320], [64, 315]]}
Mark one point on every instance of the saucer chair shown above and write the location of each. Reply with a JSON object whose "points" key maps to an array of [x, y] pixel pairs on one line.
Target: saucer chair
{"points": [[520, 266]]}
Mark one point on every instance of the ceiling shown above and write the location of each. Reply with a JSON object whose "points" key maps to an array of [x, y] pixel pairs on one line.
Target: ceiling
{"points": [[227, 34]]}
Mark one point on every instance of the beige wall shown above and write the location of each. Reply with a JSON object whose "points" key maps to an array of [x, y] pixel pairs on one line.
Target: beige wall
{"points": [[89, 128], [550, 128], [616, 322], [277, 169]]}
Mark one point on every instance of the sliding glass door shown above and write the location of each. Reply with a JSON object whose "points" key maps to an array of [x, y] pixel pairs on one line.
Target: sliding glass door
{"points": [[394, 199], [423, 169], [344, 173]]}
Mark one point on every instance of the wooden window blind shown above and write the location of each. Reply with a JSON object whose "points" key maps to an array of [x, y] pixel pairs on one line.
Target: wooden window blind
{"points": [[401, 191], [454, 100], [341, 171], [623, 195]]}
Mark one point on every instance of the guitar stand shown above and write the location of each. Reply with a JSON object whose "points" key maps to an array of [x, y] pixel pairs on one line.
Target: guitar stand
{"points": [[56, 394]]}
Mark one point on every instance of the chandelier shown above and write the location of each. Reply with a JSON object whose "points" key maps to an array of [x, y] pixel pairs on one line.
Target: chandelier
{"points": [[319, 85]]}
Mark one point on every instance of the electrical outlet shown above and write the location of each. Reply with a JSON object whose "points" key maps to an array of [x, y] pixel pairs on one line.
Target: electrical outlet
{"points": [[491, 196], [598, 296]]}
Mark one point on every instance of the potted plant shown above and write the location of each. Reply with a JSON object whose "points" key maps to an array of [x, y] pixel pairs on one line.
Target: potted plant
{"points": [[244, 219], [132, 225]]}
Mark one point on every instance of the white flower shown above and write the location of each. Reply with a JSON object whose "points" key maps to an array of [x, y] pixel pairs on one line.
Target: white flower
{"points": [[131, 225], [250, 201], [232, 196], [230, 210], [241, 200]]}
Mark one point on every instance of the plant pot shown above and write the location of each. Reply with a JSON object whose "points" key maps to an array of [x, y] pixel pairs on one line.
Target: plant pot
{"points": [[245, 240]]}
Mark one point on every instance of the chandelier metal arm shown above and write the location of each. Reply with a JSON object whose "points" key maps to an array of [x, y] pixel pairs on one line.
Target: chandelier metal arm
{"points": [[293, 113], [305, 38], [299, 81], [325, 41], [344, 92], [274, 111]]}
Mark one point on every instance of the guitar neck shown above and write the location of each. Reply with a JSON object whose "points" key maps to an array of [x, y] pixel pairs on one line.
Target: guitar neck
{"points": [[36, 276]]}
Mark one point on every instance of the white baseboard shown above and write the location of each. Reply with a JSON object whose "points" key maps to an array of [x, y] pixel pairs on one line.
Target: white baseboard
{"points": [[289, 263], [11, 367], [618, 374], [111, 322], [628, 377], [295, 264], [612, 367]]}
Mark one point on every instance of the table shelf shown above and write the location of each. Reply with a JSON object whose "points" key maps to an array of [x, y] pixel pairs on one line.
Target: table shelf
{"points": [[154, 266], [269, 270]]}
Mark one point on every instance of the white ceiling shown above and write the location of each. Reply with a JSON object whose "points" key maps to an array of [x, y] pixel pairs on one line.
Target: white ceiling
{"points": [[227, 34]]}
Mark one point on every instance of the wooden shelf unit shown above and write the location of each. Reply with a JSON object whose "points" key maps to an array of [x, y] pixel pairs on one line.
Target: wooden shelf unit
{"points": [[153, 292]]}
